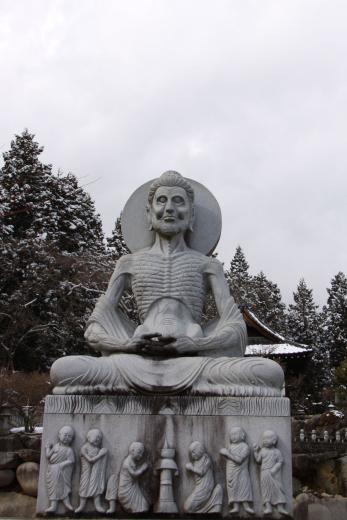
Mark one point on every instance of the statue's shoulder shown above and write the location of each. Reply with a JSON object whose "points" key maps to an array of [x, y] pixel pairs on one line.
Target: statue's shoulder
{"points": [[124, 264], [213, 266]]}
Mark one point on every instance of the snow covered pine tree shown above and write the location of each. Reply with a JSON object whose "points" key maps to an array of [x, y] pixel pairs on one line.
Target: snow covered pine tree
{"points": [[53, 263]]}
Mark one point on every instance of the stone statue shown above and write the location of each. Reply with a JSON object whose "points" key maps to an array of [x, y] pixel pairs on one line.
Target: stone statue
{"points": [[206, 497], [271, 461], [130, 492], [171, 351], [238, 480], [93, 471], [61, 460]]}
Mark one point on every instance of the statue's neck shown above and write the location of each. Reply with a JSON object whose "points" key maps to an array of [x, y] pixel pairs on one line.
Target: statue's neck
{"points": [[169, 245]]}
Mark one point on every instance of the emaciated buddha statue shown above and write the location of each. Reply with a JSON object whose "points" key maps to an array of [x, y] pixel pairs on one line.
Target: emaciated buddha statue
{"points": [[171, 351]]}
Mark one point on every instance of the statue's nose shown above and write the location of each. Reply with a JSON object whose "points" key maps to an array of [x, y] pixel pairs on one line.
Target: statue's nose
{"points": [[169, 209]]}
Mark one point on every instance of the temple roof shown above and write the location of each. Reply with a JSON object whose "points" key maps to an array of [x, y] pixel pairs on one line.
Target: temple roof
{"points": [[266, 342]]}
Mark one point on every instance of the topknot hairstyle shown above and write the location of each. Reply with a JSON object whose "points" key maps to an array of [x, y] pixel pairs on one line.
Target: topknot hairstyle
{"points": [[170, 178]]}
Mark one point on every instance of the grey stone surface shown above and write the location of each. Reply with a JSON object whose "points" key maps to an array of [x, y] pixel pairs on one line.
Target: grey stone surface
{"points": [[28, 477], [150, 428], [179, 405]]}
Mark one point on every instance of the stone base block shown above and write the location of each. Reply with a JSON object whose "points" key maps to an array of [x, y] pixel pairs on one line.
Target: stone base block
{"points": [[181, 471]]}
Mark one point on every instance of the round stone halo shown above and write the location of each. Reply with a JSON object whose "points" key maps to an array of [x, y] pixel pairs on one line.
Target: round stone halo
{"points": [[207, 222]]}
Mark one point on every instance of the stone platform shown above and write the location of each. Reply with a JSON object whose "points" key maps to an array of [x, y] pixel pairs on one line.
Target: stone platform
{"points": [[167, 426]]}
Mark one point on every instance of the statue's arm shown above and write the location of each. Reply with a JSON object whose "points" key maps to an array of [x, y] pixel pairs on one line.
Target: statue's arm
{"points": [[108, 330], [230, 333], [96, 334]]}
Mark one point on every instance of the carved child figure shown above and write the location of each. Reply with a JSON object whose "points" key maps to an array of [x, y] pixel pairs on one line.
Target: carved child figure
{"points": [[271, 461], [93, 471], [61, 459], [206, 497], [237, 474], [130, 492]]}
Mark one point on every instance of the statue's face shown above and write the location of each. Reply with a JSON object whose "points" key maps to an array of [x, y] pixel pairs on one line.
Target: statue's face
{"points": [[236, 435], [171, 211], [269, 439], [137, 451], [95, 437], [196, 451], [65, 435]]}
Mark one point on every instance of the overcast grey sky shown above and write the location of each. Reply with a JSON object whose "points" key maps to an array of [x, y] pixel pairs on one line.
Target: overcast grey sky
{"points": [[247, 97]]}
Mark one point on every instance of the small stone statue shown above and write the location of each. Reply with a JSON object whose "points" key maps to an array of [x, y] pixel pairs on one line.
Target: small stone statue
{"points": [[130, 493], [61, 460], [271, 461], [238, 480], [93, 471], [206, 497]]}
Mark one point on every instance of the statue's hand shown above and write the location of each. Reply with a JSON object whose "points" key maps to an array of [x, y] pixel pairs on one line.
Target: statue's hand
{"points": [[135, 345], [183, 345]]}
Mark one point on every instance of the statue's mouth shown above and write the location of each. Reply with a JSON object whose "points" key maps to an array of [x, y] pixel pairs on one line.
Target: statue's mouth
{"points": [[169, 219]]}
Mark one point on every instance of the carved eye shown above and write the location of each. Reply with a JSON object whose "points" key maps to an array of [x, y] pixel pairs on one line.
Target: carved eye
{"points": [[162, 199], [178, 200]]}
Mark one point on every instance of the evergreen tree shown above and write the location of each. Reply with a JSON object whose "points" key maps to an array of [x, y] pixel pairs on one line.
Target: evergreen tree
{"points": [[77, 226], [23, 181], [303, 326], [53, 264], [267, 302], [334, 318], [239, 279], [42, 205], [116, 243], [303, 318]]}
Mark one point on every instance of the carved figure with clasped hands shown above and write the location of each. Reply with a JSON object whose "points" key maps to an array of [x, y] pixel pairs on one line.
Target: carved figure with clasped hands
{"points": [[171, 351]]}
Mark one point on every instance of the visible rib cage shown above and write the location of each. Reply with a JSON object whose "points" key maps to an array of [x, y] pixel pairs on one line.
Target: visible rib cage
{"points": [[177, 276]]}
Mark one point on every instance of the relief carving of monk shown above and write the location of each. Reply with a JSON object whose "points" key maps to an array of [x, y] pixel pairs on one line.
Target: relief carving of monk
{"points": [[170, 352]]}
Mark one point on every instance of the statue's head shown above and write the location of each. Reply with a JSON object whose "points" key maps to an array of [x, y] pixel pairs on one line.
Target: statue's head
{"points": [[237, 434], [196, 450], [170, 206], [66, 434], [269, 439], [94, 437], [136, 450]]}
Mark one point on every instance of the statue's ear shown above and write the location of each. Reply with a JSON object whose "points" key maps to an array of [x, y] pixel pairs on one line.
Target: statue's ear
{"points": [[192, 218], [149, 217]]}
